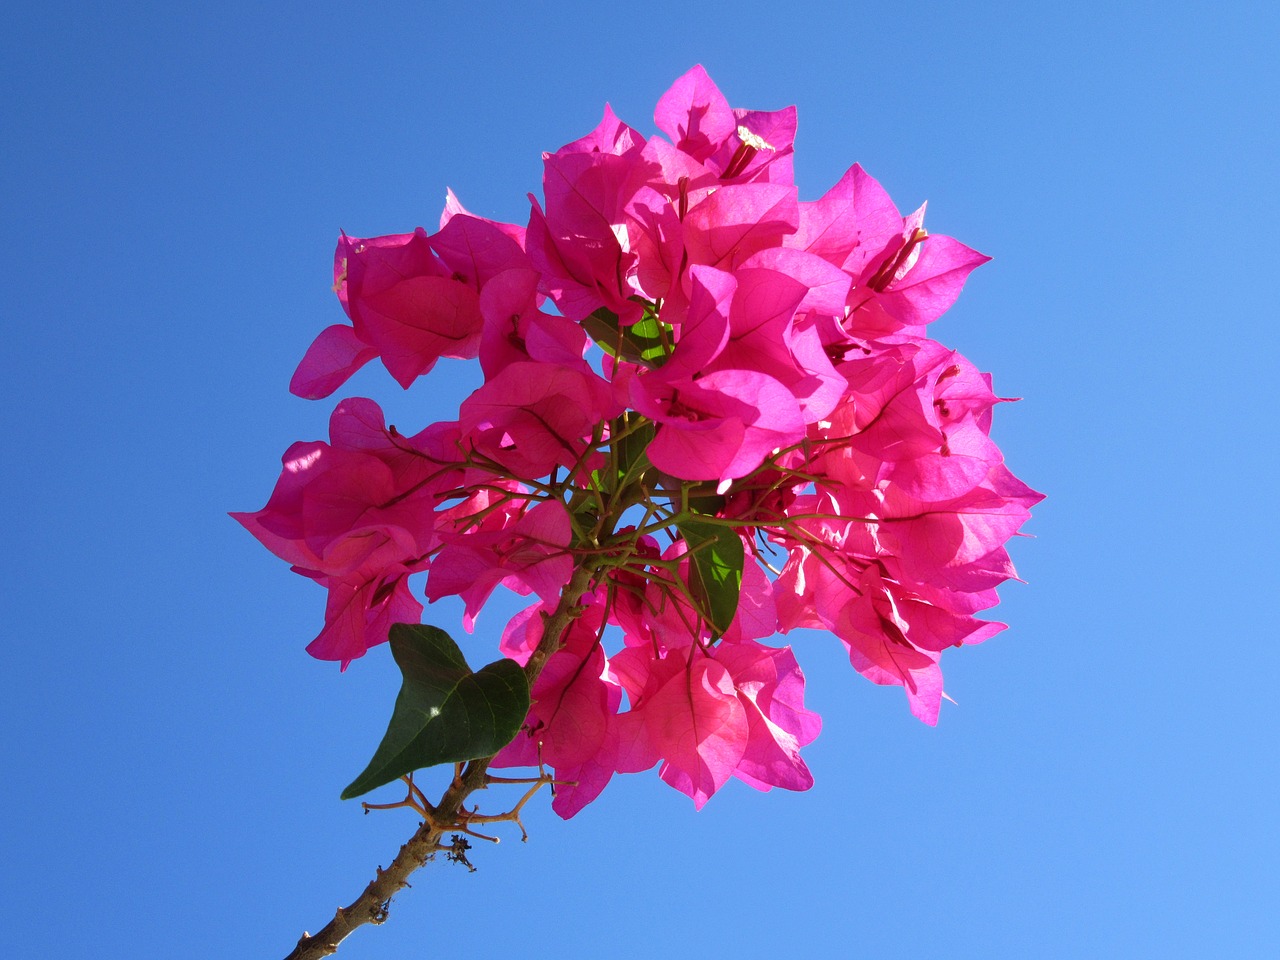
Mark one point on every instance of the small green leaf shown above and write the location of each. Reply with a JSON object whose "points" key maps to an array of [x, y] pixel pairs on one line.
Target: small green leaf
{"points": [[646, 341], [647, 337], [602, 326], [707, 504], [715, 575], [444, 712], [633, 453]]}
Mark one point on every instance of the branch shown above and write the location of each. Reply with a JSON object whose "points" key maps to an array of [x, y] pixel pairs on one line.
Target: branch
{"points": [[373, 904]]}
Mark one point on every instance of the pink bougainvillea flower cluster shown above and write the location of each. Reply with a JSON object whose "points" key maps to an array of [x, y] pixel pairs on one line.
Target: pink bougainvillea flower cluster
{"points": [[682, 360]]}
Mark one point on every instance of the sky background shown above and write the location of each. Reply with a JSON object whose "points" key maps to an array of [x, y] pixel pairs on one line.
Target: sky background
{"points": [[174, 177]]}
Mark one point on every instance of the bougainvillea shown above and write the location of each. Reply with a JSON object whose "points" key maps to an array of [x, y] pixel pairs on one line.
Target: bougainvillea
{"points": [[711, 413]]}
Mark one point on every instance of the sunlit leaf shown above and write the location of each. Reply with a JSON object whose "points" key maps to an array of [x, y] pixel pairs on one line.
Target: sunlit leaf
{"points": [[444, 713]]}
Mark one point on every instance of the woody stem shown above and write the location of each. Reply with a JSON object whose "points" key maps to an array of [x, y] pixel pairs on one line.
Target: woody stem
{"points": [[375, 900]]}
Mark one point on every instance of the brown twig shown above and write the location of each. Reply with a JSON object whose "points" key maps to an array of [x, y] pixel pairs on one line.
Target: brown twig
{"points": [[373, 905]]}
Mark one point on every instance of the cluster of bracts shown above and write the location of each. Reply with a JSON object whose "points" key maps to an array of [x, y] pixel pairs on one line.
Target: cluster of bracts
{"points": [[675, 343]]}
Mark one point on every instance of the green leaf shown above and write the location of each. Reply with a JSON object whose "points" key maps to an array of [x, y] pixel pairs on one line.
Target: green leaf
{"points": [[444, 713], [708, 504], [647, 337], [646, 341], [602, 325], [715, 575], [633, 453]]}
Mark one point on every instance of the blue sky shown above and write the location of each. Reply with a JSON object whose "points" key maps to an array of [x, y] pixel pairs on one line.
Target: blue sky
{"points": [[174, 179]]}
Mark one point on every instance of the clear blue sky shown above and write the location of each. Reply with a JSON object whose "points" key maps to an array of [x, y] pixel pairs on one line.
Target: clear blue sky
{"points": [[174, 179]]}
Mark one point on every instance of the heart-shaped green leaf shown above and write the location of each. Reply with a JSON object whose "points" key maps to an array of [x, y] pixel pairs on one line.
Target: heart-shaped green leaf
{"points": [[716, 572], [444, 712]]}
